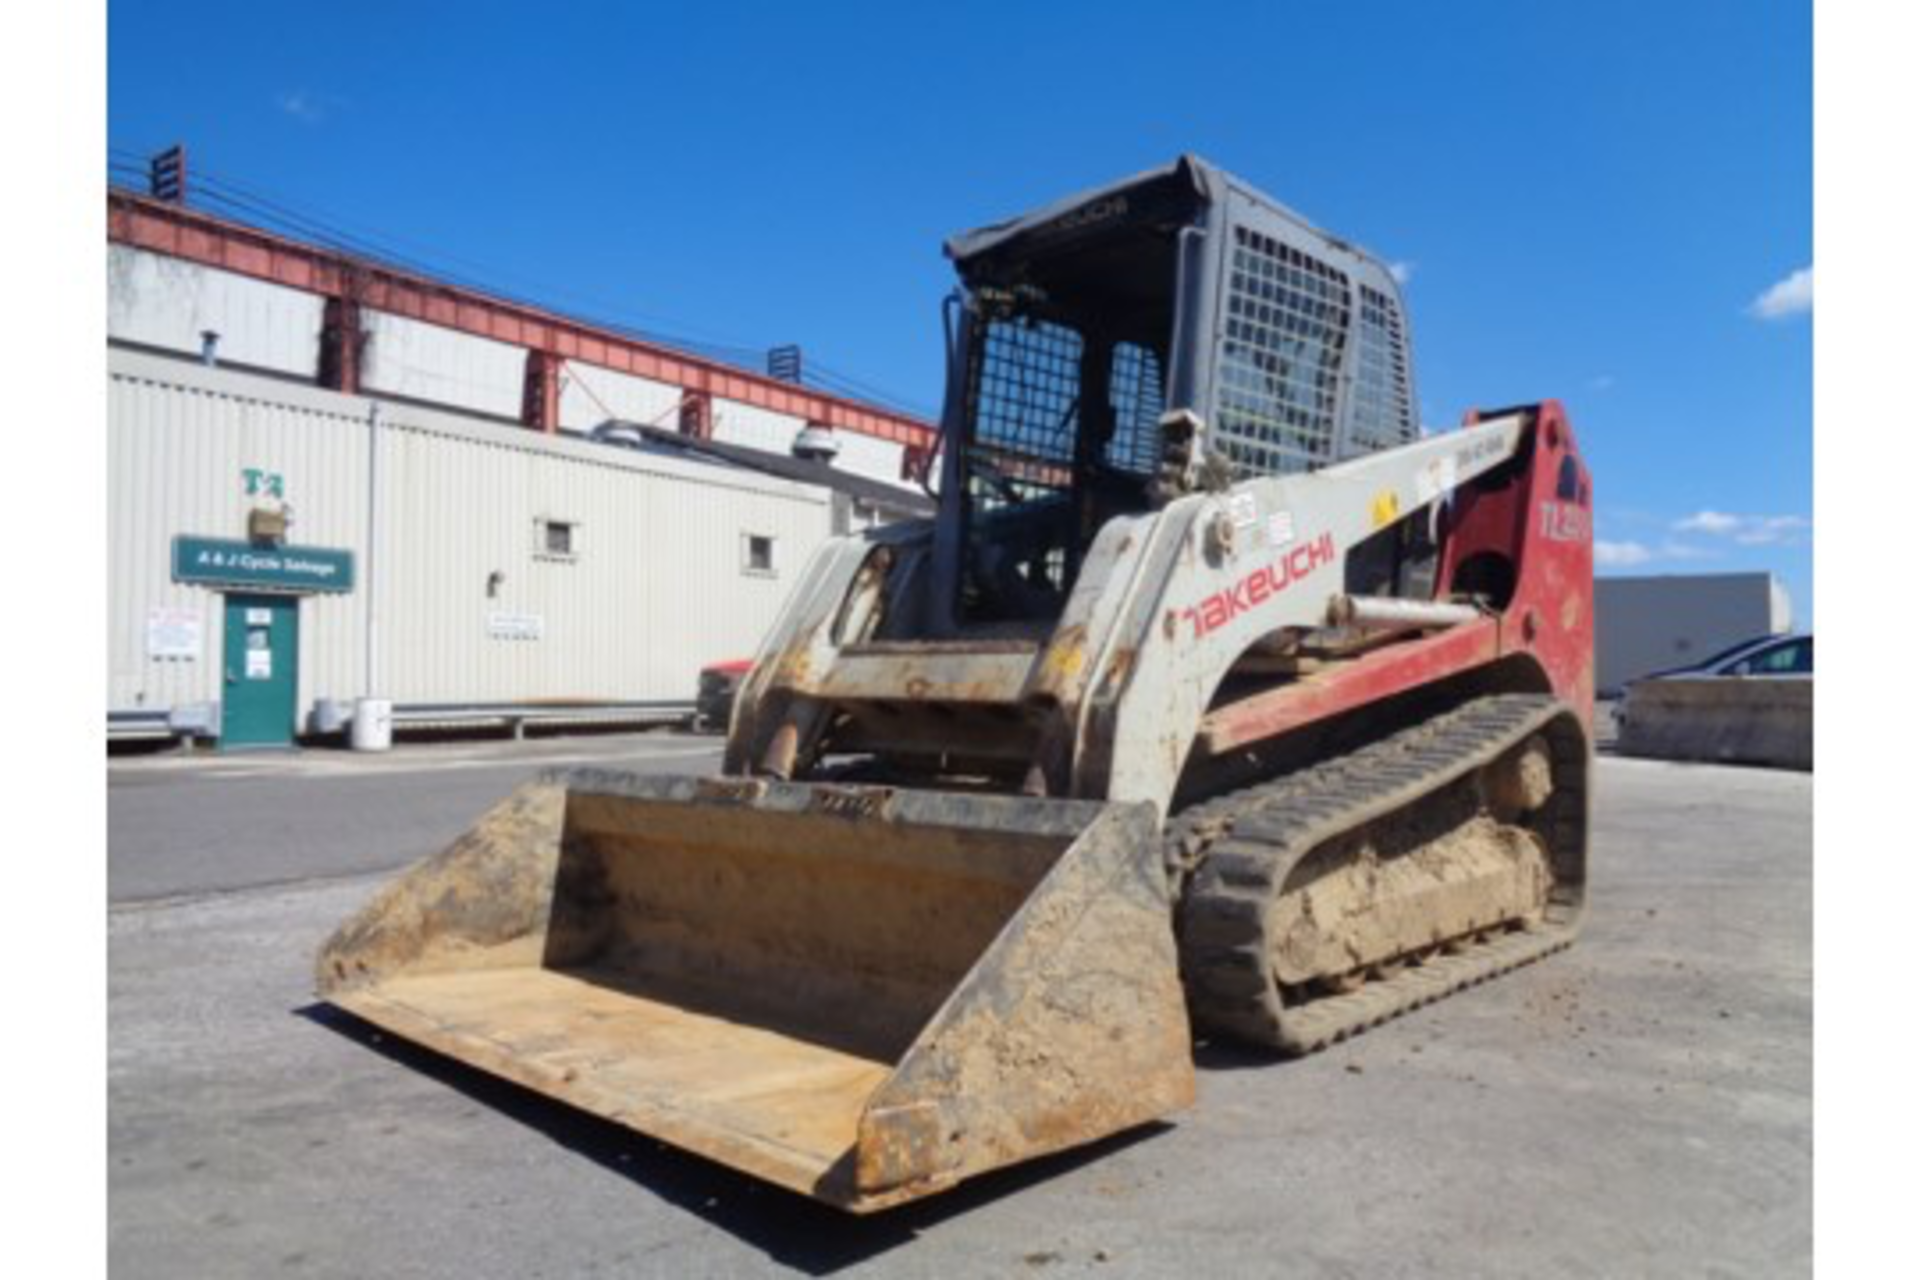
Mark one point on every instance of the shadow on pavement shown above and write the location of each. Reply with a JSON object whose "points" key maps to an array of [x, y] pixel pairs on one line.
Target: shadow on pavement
{"points": [[1225, 1055], [789, 1228]]}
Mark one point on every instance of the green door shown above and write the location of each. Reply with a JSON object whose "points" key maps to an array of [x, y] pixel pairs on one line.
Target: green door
{"points": [[262, 664]]}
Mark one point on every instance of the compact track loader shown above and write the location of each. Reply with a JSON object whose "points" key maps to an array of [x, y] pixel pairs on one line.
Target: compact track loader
{"points": [[1216, 700]]}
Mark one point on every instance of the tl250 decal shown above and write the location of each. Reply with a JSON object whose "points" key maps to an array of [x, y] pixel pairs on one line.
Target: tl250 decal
{"points": [[1262, 584], [1565, 522]]}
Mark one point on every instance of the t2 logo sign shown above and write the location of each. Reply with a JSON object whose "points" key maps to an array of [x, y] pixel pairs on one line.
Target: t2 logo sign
{"points": [[259, 483]]}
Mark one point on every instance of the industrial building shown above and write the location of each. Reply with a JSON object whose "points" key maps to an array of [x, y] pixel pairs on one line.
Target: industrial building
{"points": [[1653, 622], [333, 481]]}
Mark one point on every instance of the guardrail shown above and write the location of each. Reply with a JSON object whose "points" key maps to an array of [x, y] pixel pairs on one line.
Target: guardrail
{"points": [[139, 726], [517, 717]]}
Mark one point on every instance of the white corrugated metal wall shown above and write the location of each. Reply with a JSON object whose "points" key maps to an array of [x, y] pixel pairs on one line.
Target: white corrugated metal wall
{"points": [[656, 586], [179, 439]]}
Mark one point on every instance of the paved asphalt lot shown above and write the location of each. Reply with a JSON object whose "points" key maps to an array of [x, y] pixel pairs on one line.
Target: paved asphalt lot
{"points": [[1640, 1105], [215, 824]]}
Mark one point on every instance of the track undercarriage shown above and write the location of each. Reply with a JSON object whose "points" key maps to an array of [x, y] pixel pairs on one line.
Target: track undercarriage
{"points": [[1329, 900]]}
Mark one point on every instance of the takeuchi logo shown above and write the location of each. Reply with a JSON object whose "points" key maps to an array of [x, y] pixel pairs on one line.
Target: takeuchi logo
{"points": [[1269, 580]]}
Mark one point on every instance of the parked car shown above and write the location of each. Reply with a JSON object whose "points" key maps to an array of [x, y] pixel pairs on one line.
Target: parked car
{"points": [[713, 702], [1790, 655], [1763, 657]]}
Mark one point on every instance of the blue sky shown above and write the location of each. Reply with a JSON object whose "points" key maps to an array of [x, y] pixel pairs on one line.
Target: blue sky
{"points": [[1590, 202]]}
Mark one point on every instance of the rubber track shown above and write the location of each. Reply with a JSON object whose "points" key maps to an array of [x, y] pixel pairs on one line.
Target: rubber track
{"points": [[1246, 843]]}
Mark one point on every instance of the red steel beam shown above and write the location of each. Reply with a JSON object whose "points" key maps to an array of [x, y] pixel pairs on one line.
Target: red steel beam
{"points": [[145, 223], [540, 392]]}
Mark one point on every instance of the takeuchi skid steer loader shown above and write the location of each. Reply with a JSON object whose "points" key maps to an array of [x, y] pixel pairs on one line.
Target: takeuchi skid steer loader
{"points": [[1214, 701]]}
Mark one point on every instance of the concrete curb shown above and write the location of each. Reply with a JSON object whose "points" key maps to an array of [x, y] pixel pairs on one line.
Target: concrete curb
{"points": [[1721, 719]]}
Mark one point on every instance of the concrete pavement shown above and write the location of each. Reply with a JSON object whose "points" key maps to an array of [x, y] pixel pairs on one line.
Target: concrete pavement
{"points": [[1640, 1105], [192, 824]]}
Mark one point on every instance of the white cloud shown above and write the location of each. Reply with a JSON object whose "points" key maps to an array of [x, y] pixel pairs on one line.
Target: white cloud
{"points": [[1619, 555], [309, 108], [1646, 549], [1401, 272], [1762, 530], [1748, 531], [1717, 522], [1789, 297]]}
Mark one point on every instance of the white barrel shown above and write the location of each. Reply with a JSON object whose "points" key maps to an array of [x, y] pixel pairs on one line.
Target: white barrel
{"points": [[331, 715], [372, 724]]}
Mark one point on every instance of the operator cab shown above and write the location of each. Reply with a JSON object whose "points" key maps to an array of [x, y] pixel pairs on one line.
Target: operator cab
{"points": [[1059, 385], [1079, 326]]}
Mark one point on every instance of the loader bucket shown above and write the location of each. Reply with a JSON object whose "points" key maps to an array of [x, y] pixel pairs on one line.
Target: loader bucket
{"points": [[859, 993]]}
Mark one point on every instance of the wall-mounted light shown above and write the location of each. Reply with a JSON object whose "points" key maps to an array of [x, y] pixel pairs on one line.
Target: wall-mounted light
{"points": [[209, 347], [267, 526], [494, 581]]}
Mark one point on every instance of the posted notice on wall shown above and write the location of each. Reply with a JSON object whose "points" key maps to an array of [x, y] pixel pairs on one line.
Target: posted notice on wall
{"points": [[515, 626], [174, 634]]}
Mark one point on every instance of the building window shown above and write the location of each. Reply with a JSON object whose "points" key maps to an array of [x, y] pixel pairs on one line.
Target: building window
{"points": [[758, 549], [556, 539]]}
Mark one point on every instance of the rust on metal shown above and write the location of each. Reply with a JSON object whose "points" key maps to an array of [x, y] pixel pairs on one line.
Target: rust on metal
{"points": [[936, 675], [852, 802], [198, 236], [483, 902], [862, 612], [723, 787], [1062, 665], [1120, 666]]}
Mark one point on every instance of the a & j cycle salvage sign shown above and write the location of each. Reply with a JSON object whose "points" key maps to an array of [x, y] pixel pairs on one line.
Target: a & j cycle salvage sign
{"points": [[230, 563]]}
